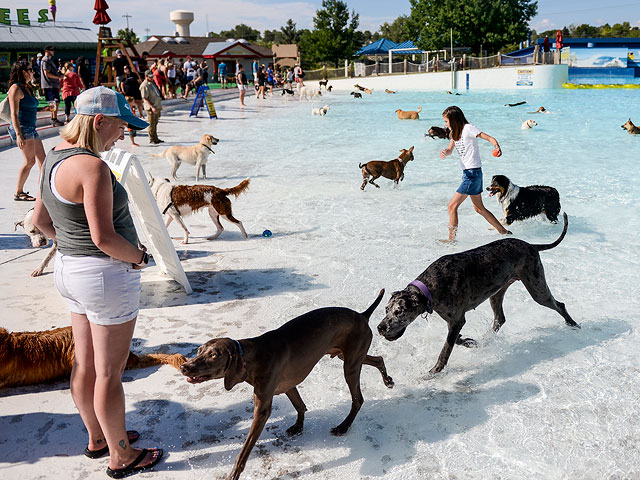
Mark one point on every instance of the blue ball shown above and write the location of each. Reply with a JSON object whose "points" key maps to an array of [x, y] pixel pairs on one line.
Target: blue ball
{"points": [[267, 233]]}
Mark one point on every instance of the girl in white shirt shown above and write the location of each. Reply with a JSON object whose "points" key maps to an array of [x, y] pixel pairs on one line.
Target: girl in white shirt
{"points": [[464, 138]]}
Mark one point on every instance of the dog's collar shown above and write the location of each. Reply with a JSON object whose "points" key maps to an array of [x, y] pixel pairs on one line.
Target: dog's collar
{"points": [[171, 204], [240, 351], [425, 291], [207, 147]]}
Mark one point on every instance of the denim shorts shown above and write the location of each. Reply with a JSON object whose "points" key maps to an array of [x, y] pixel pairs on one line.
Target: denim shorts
{"points": [[471, 182], [104, 289], [28, 132], [52, 94]]}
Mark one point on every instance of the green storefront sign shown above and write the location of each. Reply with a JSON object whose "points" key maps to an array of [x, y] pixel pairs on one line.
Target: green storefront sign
{"points": [[23, 16]]}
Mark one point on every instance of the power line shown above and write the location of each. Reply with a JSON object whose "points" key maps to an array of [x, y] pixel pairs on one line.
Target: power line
{"points": [[127, 16]]}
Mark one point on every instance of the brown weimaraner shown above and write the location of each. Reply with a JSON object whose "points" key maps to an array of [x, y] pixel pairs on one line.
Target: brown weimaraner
{"points": [[279, 360], [393, 169]]}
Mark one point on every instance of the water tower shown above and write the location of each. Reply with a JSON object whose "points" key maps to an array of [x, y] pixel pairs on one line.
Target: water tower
{"points": [[182, 19]]}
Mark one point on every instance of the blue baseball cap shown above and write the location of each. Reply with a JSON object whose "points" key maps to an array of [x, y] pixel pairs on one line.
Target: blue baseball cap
{"points": [[110, 104]]}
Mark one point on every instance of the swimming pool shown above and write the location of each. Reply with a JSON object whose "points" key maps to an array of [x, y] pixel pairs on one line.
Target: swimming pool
{"points": [[536, 401]]}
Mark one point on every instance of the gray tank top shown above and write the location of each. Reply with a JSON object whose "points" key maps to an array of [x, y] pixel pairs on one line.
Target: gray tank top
{"points": [[70, 220]]}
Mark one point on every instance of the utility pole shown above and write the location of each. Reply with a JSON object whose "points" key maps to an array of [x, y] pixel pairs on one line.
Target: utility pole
{"points": [[127, 16], [453, 63]]}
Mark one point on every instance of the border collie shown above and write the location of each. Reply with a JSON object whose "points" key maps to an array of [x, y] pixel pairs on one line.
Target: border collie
{"points": [[519, 203]]}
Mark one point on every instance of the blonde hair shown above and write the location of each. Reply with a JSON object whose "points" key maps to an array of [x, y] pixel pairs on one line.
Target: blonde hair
{"points": [[66, 68], [81, 132]]}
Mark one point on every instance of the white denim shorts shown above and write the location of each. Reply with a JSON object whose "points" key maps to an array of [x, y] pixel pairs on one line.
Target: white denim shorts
{"points": [[104, 289]]}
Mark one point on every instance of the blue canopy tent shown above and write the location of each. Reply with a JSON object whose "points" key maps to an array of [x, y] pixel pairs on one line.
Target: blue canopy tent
{"points": [[379, 47]]}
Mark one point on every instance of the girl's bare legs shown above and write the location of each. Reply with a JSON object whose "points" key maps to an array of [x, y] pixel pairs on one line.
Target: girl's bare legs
{"points": [[455, 202], [488, 216]]}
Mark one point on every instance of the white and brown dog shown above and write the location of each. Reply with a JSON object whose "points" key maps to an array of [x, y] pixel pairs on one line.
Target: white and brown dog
{"points": [[320, 111], [196, 155], [177, 201], [38, 239]]}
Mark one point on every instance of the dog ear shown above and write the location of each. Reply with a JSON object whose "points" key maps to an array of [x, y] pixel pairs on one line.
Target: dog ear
{"points": [[411, 149], [18, 224], [237, 372]]}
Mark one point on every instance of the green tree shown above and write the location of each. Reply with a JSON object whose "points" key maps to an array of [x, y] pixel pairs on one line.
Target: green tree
{"points": [[335, 35], [242, 31], [127, 34], [397, 31], [490, 23], [269, 37], [290, 34]]}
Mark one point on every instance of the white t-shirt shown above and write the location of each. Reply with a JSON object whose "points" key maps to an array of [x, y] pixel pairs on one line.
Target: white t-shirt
{"points": [[190, 68], [467, 147]]}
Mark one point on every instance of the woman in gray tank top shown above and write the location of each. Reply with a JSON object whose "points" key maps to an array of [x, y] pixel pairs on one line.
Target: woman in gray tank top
{"points": [[97, 270]]}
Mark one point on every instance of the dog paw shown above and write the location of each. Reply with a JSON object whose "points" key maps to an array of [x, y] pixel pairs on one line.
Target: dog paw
{"points": [[339, 430], [294, 430], [388, 382], [468, 342]]}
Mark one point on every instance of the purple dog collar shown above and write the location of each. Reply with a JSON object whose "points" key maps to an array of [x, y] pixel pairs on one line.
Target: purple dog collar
{"points": [[423, 288]]}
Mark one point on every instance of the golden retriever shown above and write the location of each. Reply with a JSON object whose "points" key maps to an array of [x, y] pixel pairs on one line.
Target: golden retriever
{"points": [[28, 358], [196, 155], [409, 114]]}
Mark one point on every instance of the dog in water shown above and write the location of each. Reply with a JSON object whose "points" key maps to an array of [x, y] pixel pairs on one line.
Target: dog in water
{"points": [[177, 201], [38, 239], [631, 128], [438, 132], [409, 114], [196, 155], [323, 83], [528, 124], [393, 169], [28, 358], [457, 283], [519, 203], [356, 94], [364, 89], [320, 111], [389, 91], [541, 110], [287, 91], [309, 92]]}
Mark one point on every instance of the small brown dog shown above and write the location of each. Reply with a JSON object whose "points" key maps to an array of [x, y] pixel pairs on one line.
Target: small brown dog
{"points": [[279, 360], [389, 91], [28, 358], [409, 114], [393, 170], [631, 128]]}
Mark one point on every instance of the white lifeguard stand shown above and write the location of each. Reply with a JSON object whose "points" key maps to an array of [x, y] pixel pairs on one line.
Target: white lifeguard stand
{"points": [[128, 171]]}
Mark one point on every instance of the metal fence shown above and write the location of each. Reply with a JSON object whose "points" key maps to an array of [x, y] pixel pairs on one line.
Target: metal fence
{"points": [[435, 64]]}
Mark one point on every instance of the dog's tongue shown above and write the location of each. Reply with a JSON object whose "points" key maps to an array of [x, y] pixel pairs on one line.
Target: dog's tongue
{"points": [[491, 193], [196, 379]]}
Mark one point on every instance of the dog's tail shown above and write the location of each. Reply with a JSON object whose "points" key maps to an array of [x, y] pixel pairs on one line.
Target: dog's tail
{"points": [[549, 246], [419, 109], [367, 313], [238, 189], [150, 359], [160, 154]]}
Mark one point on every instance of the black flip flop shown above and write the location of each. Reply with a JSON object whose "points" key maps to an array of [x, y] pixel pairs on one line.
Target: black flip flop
{"points": [[93, 454], [24, 197], [133, 468]]}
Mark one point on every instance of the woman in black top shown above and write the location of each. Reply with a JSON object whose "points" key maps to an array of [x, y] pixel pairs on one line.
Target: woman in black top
{"points": [[84, 71]]}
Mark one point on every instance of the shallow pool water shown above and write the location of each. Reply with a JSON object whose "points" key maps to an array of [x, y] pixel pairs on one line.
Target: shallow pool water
{"points": [[538, 400]]}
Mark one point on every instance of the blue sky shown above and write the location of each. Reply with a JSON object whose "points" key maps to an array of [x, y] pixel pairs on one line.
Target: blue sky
{"points": [[219, 15]]}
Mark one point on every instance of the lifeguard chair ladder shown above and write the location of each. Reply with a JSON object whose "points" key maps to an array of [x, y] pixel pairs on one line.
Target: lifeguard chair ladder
{"points": [[105, 63]]}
